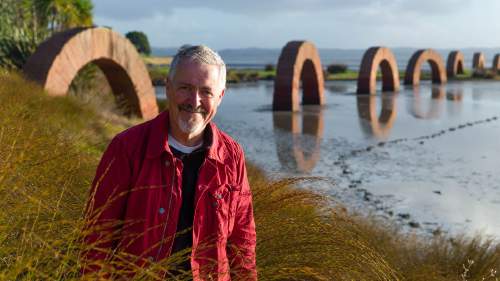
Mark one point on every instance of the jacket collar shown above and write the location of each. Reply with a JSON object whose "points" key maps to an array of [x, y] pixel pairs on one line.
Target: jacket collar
{"points": [[158, 139]]}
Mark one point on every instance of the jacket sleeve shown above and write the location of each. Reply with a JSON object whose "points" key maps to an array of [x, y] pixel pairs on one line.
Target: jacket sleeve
{"points": [[243, 240], [105, 208]]}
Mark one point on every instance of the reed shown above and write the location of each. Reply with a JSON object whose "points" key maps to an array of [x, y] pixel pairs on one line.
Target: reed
{"points": [[49, 149]]}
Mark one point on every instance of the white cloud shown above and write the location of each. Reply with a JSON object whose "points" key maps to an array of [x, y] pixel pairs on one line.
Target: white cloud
{"points": [[328, 23], [119, 9]]}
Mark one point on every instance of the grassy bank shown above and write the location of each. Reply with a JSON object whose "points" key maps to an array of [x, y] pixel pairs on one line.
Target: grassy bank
{"points": [[158, 74], [153, 60], [49, 149]]}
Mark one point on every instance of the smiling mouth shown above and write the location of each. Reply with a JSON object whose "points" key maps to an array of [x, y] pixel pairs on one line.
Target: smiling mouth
{"points": [[190, 109]]}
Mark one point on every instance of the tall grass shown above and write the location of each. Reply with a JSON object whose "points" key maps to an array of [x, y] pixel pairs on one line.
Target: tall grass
{"points": [[49, 149]]}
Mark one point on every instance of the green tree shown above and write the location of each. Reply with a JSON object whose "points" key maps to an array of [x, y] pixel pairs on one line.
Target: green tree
{"points": [[26, 23], [336, 68], [140, 41], [59, 15]]}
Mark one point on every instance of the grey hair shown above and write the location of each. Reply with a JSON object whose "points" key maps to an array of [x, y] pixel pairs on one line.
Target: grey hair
{"points": [[200, 54]]}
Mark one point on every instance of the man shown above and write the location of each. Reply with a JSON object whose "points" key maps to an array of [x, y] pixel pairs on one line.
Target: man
{"points": [[177, 173]]}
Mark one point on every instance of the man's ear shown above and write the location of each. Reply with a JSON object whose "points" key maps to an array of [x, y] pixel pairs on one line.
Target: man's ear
{"points": [[221, 96]]}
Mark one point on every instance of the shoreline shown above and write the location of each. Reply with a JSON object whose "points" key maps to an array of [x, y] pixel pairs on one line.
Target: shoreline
{"points": [[251, 75]]}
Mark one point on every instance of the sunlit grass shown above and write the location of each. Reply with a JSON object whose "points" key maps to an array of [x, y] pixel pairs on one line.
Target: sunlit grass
{"points": [[49, 149]]}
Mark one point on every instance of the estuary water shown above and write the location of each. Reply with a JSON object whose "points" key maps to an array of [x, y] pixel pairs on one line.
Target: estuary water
{"points": [[427, 157]]}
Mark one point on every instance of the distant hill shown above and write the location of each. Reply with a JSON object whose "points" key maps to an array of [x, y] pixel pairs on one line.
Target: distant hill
{"points": [[258, 57], [163, 52]]}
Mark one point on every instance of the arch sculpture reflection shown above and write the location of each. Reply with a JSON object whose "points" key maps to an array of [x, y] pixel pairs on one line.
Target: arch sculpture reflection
{"points": [[372, 59], [435, 106], [299, 61], [454, 97], [373, 123], [414, 67], [299, 149], [57, 61]]}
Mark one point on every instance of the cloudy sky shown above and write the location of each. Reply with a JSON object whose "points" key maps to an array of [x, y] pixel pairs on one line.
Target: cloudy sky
{"points": [[328, 23]]}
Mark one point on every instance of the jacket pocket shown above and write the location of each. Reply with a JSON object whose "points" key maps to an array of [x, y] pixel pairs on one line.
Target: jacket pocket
{"points": [[225, 201]]}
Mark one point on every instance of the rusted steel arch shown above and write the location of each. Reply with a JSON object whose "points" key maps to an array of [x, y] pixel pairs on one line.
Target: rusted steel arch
{"points": [[496, 63], [57, 61], [373, 123], [367, 78], [299, 61], [412, 76], [478, 61], [455, 64], [435, 107], [291, 152]]}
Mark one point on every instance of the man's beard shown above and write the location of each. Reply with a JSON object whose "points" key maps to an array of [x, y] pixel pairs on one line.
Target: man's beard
{"points": [[194, 123]]}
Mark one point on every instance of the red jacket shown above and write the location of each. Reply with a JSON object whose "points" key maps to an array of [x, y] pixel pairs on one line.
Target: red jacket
{"points": [[136, 197]]}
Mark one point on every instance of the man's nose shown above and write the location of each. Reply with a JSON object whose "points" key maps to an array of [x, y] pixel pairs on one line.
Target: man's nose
{"points": [[194, 97]]}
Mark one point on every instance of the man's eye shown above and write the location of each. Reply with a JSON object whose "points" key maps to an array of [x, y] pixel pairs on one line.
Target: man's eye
{"points": [[207, 93], [183, 88]]}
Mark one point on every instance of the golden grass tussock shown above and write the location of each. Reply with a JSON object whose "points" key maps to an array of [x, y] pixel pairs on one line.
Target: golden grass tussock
{"points": [[50, 147]]}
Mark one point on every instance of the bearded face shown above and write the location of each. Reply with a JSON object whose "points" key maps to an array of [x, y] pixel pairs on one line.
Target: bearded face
{"points": [[193, 94]]}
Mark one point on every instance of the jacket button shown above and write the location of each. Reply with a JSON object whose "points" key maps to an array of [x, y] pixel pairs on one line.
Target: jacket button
{"points": [[167, 163], [214, 204], [161, 211]]}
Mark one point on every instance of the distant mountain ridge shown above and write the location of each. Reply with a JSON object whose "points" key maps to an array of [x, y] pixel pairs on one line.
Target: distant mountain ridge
{"points": [[258, 57]]}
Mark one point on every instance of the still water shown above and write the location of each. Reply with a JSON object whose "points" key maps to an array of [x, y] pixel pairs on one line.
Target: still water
{"points": [[428, 158]]}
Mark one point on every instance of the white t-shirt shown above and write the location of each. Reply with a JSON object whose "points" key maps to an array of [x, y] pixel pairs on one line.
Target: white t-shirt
{"points": [[180, 147]]}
